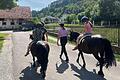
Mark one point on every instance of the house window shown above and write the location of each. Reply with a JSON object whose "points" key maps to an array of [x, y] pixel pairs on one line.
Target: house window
{"points": [[20, 23], [2, 19], [3, 23], [12, 23]]}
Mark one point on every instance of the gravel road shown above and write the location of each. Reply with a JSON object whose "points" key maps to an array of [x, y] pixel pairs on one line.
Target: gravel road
{"points": [[20, 67]]}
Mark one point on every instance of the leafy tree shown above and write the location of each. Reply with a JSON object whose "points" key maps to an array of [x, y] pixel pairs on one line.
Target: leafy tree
{"points": [[71, 18], [35, 20], [110, 9], [7, 4], [94, 9], [68, 19], [80, 15]]}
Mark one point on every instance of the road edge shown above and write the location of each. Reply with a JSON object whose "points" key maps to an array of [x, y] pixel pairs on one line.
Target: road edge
{"points": [[6, 70]]}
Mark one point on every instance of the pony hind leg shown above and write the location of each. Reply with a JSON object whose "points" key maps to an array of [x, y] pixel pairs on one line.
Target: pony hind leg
{"points": [[98, 58], [101, 62], [44, 68], [100, 72], [34, 61]]}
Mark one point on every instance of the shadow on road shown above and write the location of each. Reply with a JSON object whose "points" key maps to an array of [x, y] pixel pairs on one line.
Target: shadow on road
{"points": [[62, 67], [29, 73], [84, 74]]}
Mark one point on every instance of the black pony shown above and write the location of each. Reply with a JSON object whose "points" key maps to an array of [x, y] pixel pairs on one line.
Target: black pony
{"points": [[40, 50], [98, 46]]}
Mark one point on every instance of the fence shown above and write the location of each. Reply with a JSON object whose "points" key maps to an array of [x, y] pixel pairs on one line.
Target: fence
{"points": [[111, 33], [119, 37]]}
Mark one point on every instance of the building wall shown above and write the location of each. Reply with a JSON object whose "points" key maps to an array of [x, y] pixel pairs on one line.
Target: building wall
{"points": [[9, 24], [16, 15]]}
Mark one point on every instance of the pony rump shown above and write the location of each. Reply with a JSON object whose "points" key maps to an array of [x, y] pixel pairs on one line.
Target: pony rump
{"points": [[109, 55]]}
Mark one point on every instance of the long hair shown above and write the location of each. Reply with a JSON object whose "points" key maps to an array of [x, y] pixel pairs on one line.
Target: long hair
{"points": [[90, 24], [109, 55]]}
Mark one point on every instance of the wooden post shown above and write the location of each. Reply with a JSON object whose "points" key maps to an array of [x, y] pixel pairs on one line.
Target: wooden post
{"points": [[109, 23], [116, 23], [118, 36], [93, 23], [101, 23]]}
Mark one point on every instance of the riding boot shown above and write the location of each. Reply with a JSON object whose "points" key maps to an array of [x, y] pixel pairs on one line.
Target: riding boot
{"points": [[27, 53], [75, 48], [28, 49]]}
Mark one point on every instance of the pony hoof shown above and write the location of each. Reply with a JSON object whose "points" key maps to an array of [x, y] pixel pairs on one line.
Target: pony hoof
{"points": [[97, 64], [101, 74]]}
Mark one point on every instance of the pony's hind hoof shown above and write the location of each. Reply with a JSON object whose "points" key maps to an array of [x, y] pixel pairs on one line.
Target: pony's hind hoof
{"points": [[101, 74]]}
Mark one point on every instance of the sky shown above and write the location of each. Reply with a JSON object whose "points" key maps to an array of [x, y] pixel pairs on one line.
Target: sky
{"points": [[35, 4]]}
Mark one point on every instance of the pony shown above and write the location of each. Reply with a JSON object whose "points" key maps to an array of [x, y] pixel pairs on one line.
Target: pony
{"points": [[98, 46], [40, 50]]}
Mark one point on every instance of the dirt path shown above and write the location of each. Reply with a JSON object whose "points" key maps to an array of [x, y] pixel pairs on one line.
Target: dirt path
{"points": [[57, 70]]}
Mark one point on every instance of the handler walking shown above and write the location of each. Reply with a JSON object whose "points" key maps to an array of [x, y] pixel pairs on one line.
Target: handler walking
{"points": [[62, 36]]}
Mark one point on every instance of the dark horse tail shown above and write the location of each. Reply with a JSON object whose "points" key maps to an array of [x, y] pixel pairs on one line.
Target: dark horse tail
{"points": [[109, 55]]}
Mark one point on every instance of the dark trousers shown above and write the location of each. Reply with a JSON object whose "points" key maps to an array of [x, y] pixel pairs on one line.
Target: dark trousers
{"points": [[63, 41]]}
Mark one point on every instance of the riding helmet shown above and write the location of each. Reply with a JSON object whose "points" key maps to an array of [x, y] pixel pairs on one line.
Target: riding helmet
{"points": [[84, 18]]}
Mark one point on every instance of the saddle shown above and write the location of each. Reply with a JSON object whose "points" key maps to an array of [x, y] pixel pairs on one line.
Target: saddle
{"points": [[44, 43], [89, 36], [81, 38]]}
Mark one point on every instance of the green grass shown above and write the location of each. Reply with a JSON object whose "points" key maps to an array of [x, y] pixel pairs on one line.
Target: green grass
{"points": [[117, 56], [53, 26], [109, 33], [2, 38], [52, 39]]}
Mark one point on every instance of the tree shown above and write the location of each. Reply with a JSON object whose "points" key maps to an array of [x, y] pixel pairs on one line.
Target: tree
{"points": [[80, 15], [71, 18], [109, 9], [35, 20], [7, 4]]}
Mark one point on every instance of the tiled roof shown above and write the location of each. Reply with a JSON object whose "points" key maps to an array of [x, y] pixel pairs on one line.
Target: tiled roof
{"points": [[16, 13]]}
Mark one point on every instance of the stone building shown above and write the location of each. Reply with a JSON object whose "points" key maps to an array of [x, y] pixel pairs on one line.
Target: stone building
{"points": [[11, 19]]}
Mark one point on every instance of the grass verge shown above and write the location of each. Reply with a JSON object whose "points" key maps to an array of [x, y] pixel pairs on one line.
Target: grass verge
{"points": [[52, 39], [117, 56], [2, 38]]}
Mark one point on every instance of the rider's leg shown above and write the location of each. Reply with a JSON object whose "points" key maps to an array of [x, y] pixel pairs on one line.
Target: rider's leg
{"points": [[78, 41], [28, 49]]}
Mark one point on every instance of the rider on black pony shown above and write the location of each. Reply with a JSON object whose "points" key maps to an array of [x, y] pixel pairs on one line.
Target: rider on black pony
{"points": [[87, 30], [38, 34]]}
